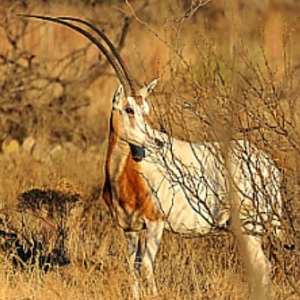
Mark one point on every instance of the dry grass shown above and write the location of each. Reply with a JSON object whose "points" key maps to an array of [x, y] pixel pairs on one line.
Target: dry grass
{"points": [[248, 99], [202, 268]]}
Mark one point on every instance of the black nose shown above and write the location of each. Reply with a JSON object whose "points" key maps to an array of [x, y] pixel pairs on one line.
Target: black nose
{"points": [[159, 143], [138, 153]]}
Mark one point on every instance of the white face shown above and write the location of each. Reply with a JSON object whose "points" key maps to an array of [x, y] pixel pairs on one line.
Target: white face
{"points": [[130, 117]]}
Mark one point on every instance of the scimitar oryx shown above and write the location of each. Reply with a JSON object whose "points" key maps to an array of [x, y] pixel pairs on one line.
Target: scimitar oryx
{"points": [[156, 182]]}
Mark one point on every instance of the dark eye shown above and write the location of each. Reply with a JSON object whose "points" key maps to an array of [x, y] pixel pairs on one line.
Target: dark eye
{"points": [[129, 110]]}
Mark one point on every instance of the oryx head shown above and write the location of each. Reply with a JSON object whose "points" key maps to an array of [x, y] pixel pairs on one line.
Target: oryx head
{"points": [[129, 107], [130, 113]]}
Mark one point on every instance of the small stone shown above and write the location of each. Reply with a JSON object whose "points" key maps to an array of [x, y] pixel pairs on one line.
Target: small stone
{"points": [[56, 150], [40, 152], [28, 144], [10, 146]]}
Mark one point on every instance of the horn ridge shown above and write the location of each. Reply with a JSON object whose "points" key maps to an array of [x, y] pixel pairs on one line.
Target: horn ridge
{"points": [[111, 47], [120, 74]]}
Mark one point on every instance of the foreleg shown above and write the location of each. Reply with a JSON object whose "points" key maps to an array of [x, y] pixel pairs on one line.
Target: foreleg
{"points": [[134, 245]]}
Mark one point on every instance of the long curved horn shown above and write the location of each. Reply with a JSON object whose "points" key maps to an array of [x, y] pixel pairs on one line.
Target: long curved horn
{"points": [[111, 46], [120, 74]]}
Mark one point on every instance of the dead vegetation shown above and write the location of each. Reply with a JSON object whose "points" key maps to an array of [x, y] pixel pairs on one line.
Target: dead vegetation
{"points": [[207, 92]]}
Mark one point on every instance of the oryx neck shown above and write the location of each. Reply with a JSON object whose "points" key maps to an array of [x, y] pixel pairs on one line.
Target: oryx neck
{"points": [[117, 153]]}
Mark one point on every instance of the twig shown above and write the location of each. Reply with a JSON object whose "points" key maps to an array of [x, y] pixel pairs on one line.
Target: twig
{"points": [[151, 30]]}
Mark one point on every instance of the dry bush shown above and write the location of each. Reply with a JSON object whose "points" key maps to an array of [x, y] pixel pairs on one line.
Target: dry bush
{"points": [[197, 102], [50, 95], [243, 97]]}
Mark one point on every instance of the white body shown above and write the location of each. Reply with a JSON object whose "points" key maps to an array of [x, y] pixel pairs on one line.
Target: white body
{"points": [[190, 185]]}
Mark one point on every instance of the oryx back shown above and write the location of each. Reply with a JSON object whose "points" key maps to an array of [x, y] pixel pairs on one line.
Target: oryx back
{"points": [[191, 183]]}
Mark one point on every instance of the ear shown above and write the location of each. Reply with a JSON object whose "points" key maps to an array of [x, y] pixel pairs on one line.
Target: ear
{"points": [[118, 98], [146, 90]]}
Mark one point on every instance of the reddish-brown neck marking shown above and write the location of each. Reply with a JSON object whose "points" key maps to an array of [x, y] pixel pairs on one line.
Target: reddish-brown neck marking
{"points": [[134, 195]]}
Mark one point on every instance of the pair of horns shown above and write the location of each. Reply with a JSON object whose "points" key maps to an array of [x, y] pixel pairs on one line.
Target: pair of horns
{"points": [[113, 56]]}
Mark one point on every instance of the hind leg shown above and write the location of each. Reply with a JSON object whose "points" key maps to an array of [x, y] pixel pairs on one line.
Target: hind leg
{"points": [[153, 238]]}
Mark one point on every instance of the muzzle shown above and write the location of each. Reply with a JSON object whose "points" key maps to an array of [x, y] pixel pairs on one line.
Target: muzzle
{"points": [[137, 153]]}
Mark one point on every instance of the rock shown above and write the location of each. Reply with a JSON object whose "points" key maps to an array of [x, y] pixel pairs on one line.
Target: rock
{"points": [[28, 144], [40, 152], [10, 146], [55, 151]]}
